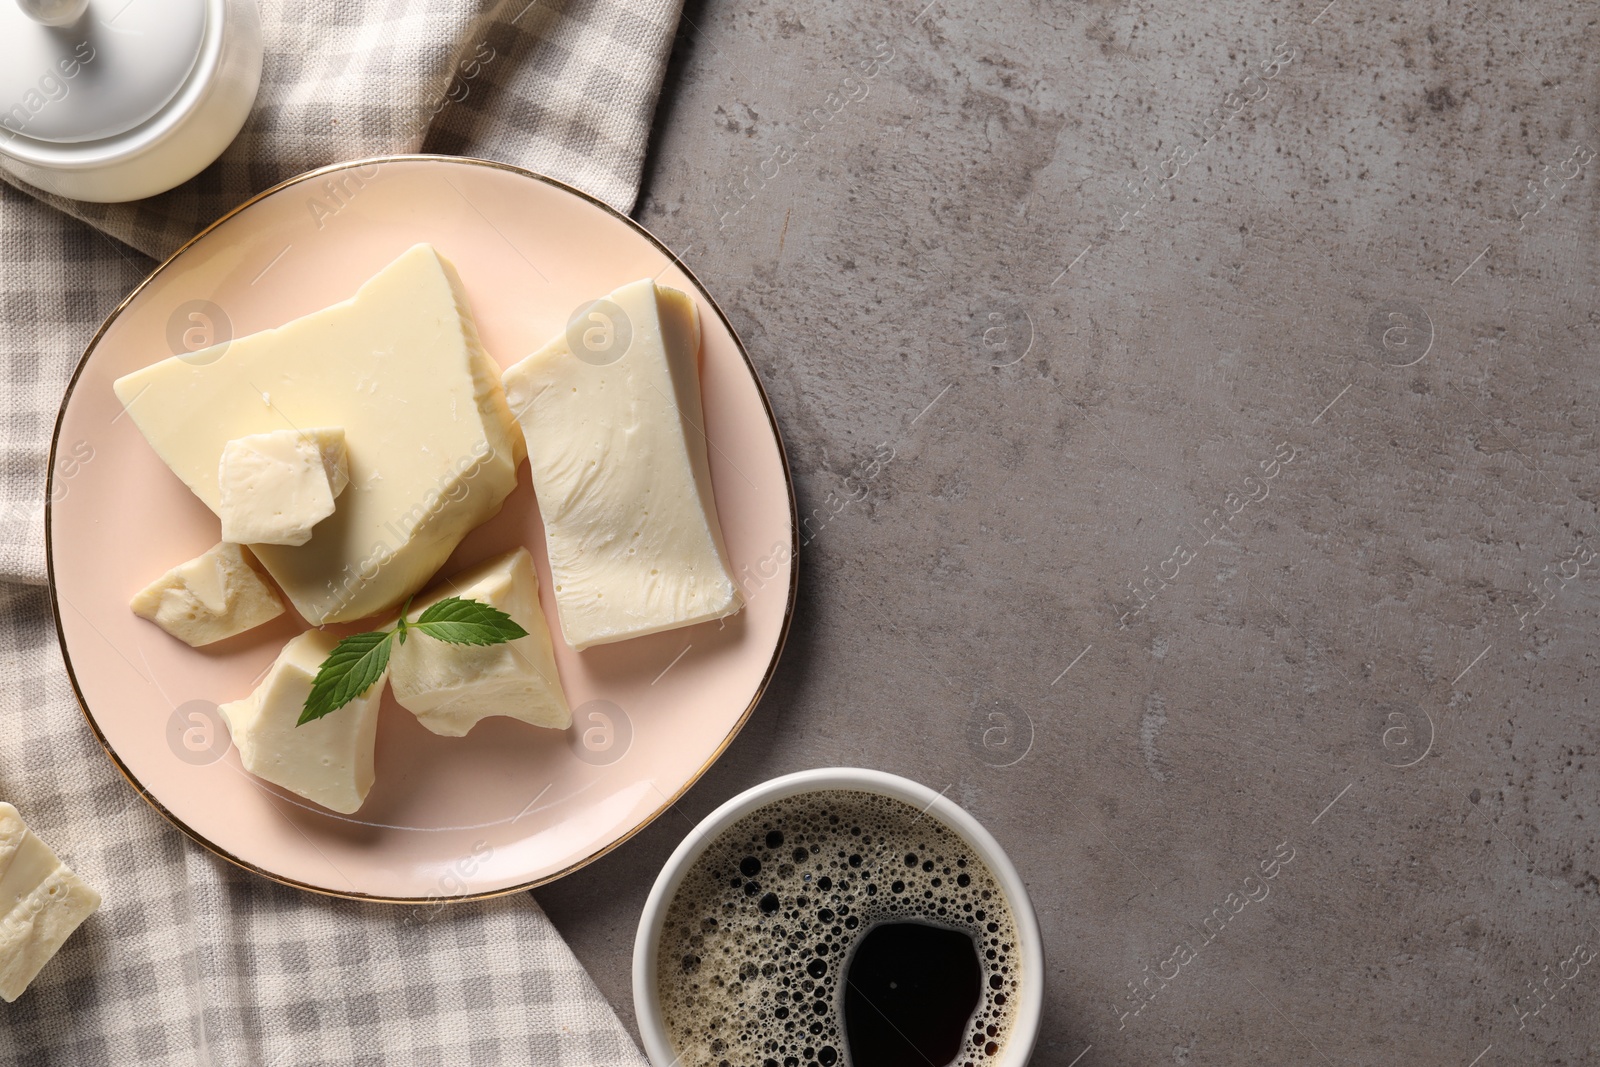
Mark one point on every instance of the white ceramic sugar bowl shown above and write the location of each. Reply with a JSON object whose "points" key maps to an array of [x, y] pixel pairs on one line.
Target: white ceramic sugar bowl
{"points": [[113, 100]]}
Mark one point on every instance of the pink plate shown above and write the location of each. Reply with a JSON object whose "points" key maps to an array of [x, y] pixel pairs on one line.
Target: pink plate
{"points": [[508, 806]]}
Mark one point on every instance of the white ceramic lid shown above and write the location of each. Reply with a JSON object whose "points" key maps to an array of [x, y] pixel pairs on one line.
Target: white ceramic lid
{"points": [[107, 72]]}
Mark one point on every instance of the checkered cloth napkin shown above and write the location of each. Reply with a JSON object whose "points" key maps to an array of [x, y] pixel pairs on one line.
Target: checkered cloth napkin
{"points": [[191, 961]]}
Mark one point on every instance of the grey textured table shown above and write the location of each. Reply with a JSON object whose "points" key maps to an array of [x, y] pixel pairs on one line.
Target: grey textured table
{"points": [[1238, 361]]}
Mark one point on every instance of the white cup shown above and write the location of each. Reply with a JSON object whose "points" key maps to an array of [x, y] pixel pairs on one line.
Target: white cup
{"points": [[1024, 1030], [204, 95]]}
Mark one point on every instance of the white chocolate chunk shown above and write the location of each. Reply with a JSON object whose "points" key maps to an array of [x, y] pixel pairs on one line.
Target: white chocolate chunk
{"points": [[433, 449], [41, 904], [217, 594], [618, 453], [328, 761], [274, 487], [450, 688]]}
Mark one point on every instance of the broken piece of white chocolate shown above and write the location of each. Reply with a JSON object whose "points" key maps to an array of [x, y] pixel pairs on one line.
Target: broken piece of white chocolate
{"points": [[451, 687], [617, 451], [41, 904], [329, 761], [274, 487], [217, 594], [433, 449]]}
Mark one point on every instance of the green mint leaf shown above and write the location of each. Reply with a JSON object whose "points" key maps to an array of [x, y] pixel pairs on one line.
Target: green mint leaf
{"points": [[350, 670], [467, 622]]}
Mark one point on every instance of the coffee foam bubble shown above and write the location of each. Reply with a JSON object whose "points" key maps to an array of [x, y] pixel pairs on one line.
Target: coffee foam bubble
{"points": [[757, 940]]}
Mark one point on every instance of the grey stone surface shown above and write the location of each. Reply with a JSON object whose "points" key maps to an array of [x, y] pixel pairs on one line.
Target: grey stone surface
{"points": [[1381, 662]]}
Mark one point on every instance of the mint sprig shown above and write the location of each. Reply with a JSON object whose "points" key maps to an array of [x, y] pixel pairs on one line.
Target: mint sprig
{"points": [[358, 661]]}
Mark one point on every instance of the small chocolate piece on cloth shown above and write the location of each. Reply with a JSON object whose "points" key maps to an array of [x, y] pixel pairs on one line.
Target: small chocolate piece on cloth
{"points": [[41, 904]]}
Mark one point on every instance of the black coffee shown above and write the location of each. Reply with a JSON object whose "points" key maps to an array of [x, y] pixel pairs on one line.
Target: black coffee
{"points": [[838, 927], [909, 990]]}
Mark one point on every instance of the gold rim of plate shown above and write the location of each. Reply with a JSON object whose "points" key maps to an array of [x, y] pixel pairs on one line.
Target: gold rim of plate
{"points": [[766, 404]]}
